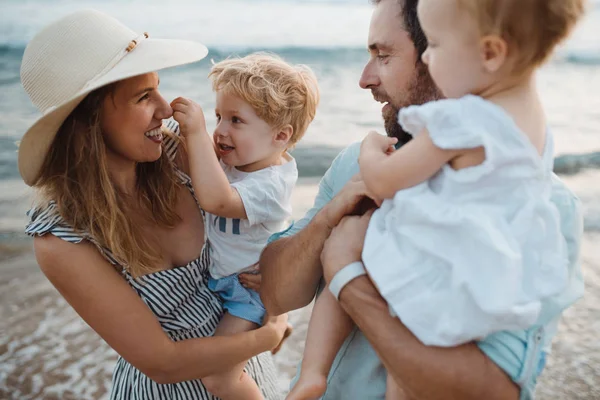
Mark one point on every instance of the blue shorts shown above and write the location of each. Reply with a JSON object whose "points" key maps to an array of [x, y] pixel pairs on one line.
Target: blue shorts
{"points": [[237, 300]]}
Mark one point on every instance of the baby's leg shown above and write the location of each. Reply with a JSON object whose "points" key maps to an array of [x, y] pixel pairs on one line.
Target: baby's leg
{"points": [[235, 383], [328, 328], [394, 391]]}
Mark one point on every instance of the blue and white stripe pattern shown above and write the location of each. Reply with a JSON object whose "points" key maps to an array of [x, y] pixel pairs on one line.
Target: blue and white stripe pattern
{"points": [[180, 300]]}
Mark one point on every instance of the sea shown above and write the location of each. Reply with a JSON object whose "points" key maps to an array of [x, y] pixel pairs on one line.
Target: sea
{"points": [[330, 36]]}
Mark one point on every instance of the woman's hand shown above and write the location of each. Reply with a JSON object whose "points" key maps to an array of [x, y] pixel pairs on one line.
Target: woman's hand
{"points": [[278, 330], [350, 200], [189, 115], [345, 244], [251, 279]]}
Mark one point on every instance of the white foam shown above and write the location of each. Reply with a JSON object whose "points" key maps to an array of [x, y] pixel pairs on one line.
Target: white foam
{"points": [[238, 24], [219, 24]]}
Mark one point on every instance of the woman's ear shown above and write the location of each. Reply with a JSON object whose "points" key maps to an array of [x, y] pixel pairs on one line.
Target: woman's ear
{"points": [[284, 135], [494, 51]]}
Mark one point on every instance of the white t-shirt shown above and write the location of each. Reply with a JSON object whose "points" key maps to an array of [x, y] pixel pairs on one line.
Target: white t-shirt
{"points": [[236, 244]]}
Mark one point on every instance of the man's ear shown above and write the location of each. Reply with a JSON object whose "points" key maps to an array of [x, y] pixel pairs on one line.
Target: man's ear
{"points": [[494, 51], [284, 135]]}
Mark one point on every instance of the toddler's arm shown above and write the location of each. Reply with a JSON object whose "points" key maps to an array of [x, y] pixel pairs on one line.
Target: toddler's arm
{"points": [[385, 171], [212, 189]]}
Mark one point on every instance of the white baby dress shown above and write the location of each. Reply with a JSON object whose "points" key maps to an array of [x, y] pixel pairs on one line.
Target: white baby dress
{"points": [[473, 251]]}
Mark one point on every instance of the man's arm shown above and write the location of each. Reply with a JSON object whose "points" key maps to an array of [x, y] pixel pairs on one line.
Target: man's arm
{"points": [[423, 372], [291, 266]]}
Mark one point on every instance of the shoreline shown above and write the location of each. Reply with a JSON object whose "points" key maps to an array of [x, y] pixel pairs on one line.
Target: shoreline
{"points": [[48, 352]]}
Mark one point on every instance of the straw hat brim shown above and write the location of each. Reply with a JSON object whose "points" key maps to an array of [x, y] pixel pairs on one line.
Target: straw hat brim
{"points": [[149, 55]]}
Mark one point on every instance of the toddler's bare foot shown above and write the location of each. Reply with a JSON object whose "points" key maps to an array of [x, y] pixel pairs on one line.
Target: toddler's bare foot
{"points": [[286, 334], [308, 387]]}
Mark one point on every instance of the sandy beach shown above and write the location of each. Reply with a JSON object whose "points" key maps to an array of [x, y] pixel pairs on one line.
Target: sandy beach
{"points": [[48, 352]]}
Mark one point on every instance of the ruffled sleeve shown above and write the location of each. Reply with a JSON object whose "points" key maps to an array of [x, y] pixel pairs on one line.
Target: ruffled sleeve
{"points": [[451, 123], [47, 220], [471, 122], [44, 220]]}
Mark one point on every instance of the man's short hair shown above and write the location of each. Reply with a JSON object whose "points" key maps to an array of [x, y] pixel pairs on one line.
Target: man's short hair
{"points": [[280, 94], [409, 17], [532, 27]]}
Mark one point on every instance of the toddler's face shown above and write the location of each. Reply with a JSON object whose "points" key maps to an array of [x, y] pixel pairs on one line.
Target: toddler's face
{"points": [[453, 54], [242, 139]]}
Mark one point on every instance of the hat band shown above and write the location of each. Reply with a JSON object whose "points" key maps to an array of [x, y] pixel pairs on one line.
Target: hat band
{"points": [[132, 44]]}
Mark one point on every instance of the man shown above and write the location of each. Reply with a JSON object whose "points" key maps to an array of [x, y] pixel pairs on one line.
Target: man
{"points": [[502, 366]]}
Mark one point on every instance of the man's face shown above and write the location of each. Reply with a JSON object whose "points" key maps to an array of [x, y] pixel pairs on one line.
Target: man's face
{"points": [[393, 74]]}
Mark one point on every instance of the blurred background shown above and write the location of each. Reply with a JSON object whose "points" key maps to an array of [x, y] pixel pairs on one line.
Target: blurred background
{"points": [[47, 352]]}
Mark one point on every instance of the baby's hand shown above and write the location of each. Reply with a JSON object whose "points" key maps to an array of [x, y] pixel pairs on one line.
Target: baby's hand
{"points": [[189, 115], [378, 143]]}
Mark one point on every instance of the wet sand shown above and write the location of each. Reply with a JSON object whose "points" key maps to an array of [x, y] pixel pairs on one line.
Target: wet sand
{"points": [[48, 352]]}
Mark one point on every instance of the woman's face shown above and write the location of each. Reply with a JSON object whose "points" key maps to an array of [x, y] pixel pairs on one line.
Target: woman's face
{"points": [[131, 120]]}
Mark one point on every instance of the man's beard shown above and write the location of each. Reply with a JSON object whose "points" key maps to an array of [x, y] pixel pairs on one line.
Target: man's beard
{"points": [[421, 90]]}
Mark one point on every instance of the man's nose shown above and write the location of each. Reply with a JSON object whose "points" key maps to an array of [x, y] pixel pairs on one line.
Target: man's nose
{"points": [[369, 77]]}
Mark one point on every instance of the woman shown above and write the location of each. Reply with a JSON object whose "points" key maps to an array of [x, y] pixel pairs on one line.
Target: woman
{"points": [[117, 230]]}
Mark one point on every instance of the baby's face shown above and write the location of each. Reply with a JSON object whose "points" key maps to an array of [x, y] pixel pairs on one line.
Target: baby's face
{"points": [[241, 137], [453, 55]]}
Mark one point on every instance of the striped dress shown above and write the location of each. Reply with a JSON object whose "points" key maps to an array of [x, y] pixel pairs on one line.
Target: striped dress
{"points": [[180, 300]]}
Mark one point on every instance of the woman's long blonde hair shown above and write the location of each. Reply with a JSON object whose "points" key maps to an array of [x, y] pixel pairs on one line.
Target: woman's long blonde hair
{"points": [[75, 176]]}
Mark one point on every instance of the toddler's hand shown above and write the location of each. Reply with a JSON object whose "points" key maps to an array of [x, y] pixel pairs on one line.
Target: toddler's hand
{"points": [[379, 143], [189, 115]]}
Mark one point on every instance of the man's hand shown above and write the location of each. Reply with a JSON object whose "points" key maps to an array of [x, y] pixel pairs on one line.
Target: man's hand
{"points": [[189, 115], [345, 244], [351, 200], [251, 279]]}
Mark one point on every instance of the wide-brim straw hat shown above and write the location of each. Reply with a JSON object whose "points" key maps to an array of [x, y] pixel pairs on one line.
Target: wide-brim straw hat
{"points": [[76, 55]]}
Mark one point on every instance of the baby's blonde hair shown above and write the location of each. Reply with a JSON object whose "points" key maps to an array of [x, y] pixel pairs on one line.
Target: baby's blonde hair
{"points": [[279, 93], [533, 27]]}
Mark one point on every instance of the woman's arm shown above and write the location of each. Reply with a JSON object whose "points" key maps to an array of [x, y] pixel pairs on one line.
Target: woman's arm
{"points": [[101, 296], [211, 186], [415, 162]]}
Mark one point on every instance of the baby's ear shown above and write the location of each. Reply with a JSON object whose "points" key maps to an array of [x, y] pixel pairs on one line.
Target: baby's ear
{"points": [[494, 51], [284, 135]]}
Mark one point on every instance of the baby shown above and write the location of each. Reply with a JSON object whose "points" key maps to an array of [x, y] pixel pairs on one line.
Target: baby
{"points": [[466, 241], [243, 179]]}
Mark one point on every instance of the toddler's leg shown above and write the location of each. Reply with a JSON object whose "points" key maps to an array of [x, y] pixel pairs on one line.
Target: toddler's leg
{"points": [[234, 384], [328, 328]]}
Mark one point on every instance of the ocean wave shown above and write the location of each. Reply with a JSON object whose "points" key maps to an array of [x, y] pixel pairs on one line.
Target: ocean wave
{"points": [[11, 53]]}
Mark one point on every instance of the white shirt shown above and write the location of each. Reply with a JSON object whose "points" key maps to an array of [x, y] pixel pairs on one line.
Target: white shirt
{"points": [[236, 244]]}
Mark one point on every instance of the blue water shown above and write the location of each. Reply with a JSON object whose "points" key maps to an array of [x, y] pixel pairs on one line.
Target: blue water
{"points": [[330, 36]]}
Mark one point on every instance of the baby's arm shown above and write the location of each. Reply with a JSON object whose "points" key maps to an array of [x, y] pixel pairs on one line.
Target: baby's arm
{"points": [[211, 186], [385, 172]]}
